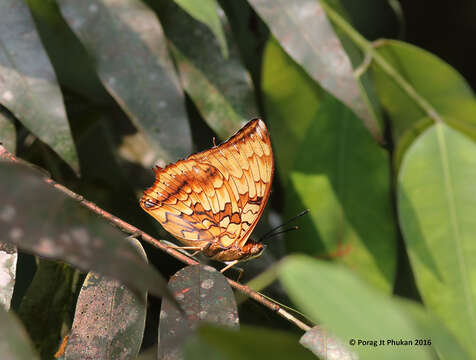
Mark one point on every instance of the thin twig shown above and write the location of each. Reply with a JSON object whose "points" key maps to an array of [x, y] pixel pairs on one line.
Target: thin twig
{"points": [[369, 50], [130, 229]]}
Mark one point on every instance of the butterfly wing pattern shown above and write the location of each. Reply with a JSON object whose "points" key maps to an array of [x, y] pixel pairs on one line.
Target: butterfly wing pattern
{"points": [[213, 200]]}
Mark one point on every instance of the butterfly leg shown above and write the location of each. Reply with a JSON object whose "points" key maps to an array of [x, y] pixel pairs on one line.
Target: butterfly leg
{"points": [[240, 273], [184, 249], [135, 235], [229, 265]]}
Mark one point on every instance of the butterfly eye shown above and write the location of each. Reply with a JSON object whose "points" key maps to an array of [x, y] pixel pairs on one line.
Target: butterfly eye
{"points": [[150, 203]]}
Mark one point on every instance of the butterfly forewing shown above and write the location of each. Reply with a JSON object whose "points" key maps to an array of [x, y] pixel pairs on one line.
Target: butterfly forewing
{"points": [[218, 195]]}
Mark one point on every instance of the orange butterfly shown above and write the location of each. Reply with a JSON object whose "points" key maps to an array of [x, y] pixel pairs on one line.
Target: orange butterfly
{"points": [[212, 200]]}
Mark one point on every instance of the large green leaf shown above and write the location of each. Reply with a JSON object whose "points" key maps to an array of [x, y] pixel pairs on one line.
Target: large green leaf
{"points": [[446, 91], [109, 320], [39, 310], [220, 87], [205, 297], [249, 33], [445, 343], [129, 48], [303, 30], [206, 11], [58, 227], [326, 346], [72, 64], [323, 149], [28, 86], [436, 207], [14, 342], [343, 177], [291, 100], [248, 343], [340, 302]]}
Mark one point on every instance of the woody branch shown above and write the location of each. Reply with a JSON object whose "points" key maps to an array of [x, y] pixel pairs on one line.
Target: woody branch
{"points": [[131, 229]]}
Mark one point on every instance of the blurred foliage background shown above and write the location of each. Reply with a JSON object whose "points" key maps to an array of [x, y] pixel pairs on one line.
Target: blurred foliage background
{"points": [[371, 111]]}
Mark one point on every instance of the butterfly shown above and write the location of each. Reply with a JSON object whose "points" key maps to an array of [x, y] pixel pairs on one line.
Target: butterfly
{"points": [[212, 200]]}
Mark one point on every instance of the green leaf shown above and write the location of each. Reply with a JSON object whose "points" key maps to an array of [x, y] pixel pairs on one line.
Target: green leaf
{"points": [[71, 62], [249, 33], [220, 87], [8, 267], [205, 296], [207, 12], [291, 100], [335, 298], [248, 343], [436, 202], [58, 227], [7, 131], [39, 310], [305, 33], [343, 177], [448, 92], [14, 342], [129, 48], [446, 346], [407, 138], [325, 345], [29, 88], [111, 312], [319, 148]]}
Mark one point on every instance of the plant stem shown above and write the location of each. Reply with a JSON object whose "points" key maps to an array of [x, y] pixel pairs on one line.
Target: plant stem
{"points": [[369, 50]]}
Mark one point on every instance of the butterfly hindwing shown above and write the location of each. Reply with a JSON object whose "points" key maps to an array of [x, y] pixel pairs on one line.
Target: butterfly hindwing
{"points": [[216, 195]]}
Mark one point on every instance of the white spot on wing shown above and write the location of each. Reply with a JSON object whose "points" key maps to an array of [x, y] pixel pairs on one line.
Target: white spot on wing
{"points": [[258, 130], [261, 124]]}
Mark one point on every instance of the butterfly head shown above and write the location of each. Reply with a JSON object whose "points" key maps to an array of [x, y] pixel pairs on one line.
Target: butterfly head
{"points": [[254, 250]]}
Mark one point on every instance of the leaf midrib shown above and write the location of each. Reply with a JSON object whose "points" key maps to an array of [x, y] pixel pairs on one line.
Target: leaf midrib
{"points": [[455, 230]]}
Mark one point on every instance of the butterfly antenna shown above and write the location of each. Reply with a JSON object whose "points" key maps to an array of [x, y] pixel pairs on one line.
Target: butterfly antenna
{"points": [[272, 235], [270, 232]]}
